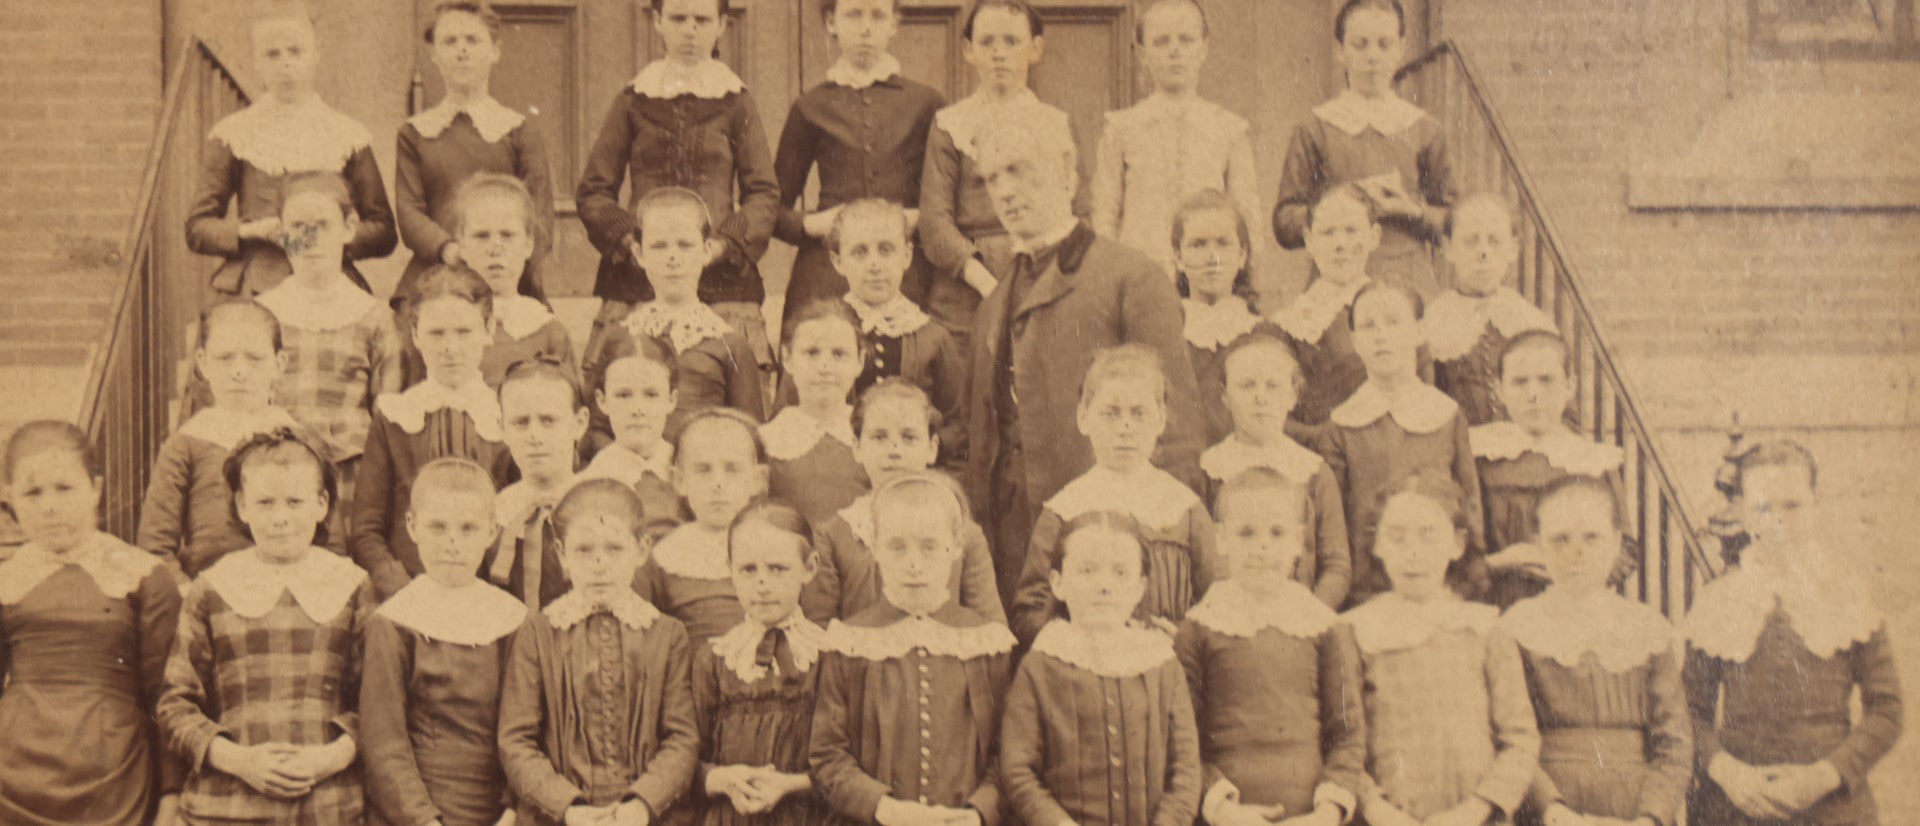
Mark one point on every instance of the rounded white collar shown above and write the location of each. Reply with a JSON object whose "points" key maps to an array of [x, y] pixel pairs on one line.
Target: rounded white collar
{"points": [[1353, 114], [1234, 456], [939, 639], [115, 567], [227, 428], [278, 138], [1506, 441], [1154, 497], [519, 316], [1231, 609], [693, 552], [1455, 322], [1829, 612], [1416, 407], [321, 583], [621, 464], [1619, 633], [844, 73], [491, 118], [709, 79], [475, 614], [792, 432], [1128, 652], [1213, 326], [574, 607]]}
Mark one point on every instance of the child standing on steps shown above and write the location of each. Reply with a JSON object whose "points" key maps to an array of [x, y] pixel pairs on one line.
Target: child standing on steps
{"points": [[811, 443], [1173, 145], [1318, 325], [250, 154], [1467, 326], [1212, 246], [865, 129], [719, 468], [636, 394], [542, 419], [1367, 136], [685, 121]]}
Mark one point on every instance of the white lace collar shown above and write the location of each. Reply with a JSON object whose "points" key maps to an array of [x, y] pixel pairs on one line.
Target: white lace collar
{"points": [[1417, 408], [1197, 113], [709, 79], [962, 120], [897, 318], [1828, 613], [116, 567], [858, 515], [844, 73], [1564, 449], [1353, 114], [621, 464], [1232, 609], [516, 503], [897, 639], [684, 327], [793, 432], [408, 409], [1234, 456], [224, 427], [279, 138], [693, 552], [519, 316], [738, 647], [491, 118], [1153, 496], [1306, 318], [337, 305], [1454, 322], [475, 614], [573, 607], [1620, 633], [1129, 652], [1213, 326], [321, 583], [1391, 622]]}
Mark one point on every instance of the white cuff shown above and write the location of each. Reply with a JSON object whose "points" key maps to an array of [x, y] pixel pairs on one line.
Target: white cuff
{"points": [[1221, 792], [1336, 795]]}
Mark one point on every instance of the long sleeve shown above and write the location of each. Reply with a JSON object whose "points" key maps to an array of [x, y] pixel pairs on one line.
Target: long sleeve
{"points": [[523, 718], [598, 195], [1436, 188], [1150, 314], [1207, 565], [948, 392], [751, 224], [394, 787], [1466, 474], [423, 235], [1703, 676], [837, 773], [376, 236], [1881, 714], [671, 768], [1190, 646], [389, 369], [1180, 801], [743, 378], [1333, 551], [362, 606], [1669, 741], [1516, 735], [1023, 753], [940, 236], [182, 710], [820, 597], [1343, 712], [1033, 601], [792, 162], [1300, 180], [210, 231], [531, 166], [988, 679], [979, 590], [1243, 181], [159, 618], [1108, 187], [372, 519], [163, 510], [706, 703]]}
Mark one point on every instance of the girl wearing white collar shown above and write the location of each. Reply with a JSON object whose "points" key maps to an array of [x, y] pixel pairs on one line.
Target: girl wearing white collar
{"points": [[430, 696], [85, 623], [249, 153], [1519, 459], [1274, 675], [1604, 673], [542, 420], [719, 468], [1123, 409], [1150, 771], [753, 687], [451, 412], [811, 443], [865, 130], [1779, 646], [187, 514], [1467, 326], [263, 683], [1368, 136], [637, 395], [1395, 427], [1451, 737], [687, 121], [467, 133], [1211, 246], [493, 220]]}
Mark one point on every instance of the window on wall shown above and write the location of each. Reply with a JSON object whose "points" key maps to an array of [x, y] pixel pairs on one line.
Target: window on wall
{"points": [[1834, 29]]}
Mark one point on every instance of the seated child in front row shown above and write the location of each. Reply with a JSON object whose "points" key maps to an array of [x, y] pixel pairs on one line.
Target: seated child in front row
{"points": [[1057, 725], [894, 426], [1394, 427], [596, 709], [1467, 326], [719, 467], [1210, 238], [1521, 457], [811, 443], [753, 687], [187, 515], [1777, 648], [1451, 739], [1274, 675], [1123, 408], [672, 238], [542, 419], [263, 684], [910, 692], [1262, 385], [636, 394], [451, 412], [430, 691], [1604, 671]]}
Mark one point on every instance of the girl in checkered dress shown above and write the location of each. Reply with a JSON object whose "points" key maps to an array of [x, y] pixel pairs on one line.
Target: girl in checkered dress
{"points": [[263, 683]]}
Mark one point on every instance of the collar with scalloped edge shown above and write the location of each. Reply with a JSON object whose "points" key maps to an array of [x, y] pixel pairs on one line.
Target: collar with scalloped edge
{"points": [[1232, 609], [844, 73], [1213, 326], [1153, 496], [1234, 456], [321, 582], [1129, 652], [1454, 323], [1353, 114], [1390, 622], [1619, 633], [709, 79], [279, 138], [1564, 449], [738, 647], [115, 567], [409, 408], [574, 607], [1306, 318]]}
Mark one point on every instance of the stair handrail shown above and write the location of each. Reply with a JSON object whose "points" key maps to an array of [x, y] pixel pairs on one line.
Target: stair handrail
{"points": [[1570, 283]]}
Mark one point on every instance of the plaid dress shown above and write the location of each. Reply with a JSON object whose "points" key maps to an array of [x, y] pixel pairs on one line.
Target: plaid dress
{"points": [[278, 676], [342, 351]]}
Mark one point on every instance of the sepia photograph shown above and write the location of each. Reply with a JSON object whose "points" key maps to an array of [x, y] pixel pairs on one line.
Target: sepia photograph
{"points": [[1309, 412]]}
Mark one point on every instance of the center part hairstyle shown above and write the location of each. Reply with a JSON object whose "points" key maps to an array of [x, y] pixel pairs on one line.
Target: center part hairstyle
{"points": [[482, 9], [668, 197], [1535, 340], [716, 416], [1208, 200], [280, 447], [896, 389], [1140, 18], [1119, 522], [544, 367], [455, 281], [490, 185], [930, 487], [1261, 479], [1136, 361], [329, 184], [777, 515], [1348, 8], [601, 498], [865, 208], [233, 310], [1035, 26]]}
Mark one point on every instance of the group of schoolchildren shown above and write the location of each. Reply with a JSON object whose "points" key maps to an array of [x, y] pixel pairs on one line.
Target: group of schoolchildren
{"points": [[416, 564]]}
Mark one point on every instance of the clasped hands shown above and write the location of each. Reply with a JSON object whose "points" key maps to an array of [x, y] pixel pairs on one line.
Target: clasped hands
{"points": [[281, 770], [754, 789], [1773, 792]]}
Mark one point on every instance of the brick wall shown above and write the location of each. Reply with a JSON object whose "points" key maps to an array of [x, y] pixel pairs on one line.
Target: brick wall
{"points": [[79, 91]]}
